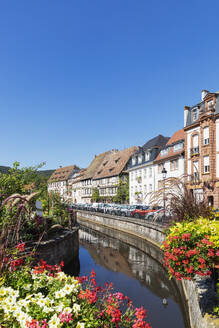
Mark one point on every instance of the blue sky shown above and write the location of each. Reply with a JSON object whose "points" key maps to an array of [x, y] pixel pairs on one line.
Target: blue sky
{"points": [[80, 77]]}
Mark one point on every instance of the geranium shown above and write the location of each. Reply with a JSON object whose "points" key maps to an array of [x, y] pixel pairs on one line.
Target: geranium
{"points": [[191, 248]]}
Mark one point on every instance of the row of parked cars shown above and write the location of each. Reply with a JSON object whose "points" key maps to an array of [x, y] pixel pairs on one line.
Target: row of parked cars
{"points": [[155, 213]]}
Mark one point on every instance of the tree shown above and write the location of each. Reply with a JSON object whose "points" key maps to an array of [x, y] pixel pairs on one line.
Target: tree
{"points": [[122, 194], [95, 195], [21, 180]]}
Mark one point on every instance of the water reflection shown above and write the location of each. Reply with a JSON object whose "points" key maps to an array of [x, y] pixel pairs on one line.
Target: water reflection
{"points": [[136, 273]]}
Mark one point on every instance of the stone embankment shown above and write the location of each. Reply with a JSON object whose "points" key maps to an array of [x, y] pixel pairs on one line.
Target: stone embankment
{"points": [[197, 293], [61, 246]]}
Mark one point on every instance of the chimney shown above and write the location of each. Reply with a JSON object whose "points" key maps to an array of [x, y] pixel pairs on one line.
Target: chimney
{"points": [[204, 93], [186, 113]]}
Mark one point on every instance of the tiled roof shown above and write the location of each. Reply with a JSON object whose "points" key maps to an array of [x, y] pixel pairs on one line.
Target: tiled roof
{"points": [[176, 138], [158, 141], [114, 163], [79, 176], [62, 173], [92, 168]]}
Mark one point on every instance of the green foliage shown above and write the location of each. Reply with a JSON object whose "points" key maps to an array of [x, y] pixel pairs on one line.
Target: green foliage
{"points": [[122, 195], [22, 180], [95, 195]]}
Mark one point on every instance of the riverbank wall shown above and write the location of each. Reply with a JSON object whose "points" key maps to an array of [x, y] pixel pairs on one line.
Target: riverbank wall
{"points": [[61, 246], [197, 293]]}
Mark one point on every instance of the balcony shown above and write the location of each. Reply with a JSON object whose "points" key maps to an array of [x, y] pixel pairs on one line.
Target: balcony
{"points": [[194, 178], [194, 151]]}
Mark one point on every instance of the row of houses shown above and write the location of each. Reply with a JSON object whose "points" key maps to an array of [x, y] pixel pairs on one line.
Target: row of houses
{"points": [[192, 152]]}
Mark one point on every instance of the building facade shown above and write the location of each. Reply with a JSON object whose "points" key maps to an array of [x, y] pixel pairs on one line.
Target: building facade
{"points": [[172, 158], [112, 169], [201, 126], [59, 181], [142, 170]]}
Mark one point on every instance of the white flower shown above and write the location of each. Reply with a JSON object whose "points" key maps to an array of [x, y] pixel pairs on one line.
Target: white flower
{"points": [[59, 307], [41, 302], [80, 325], [76, 308], [54, 322], [59, 294], [68, 289], [67, 310], [3, 291]]}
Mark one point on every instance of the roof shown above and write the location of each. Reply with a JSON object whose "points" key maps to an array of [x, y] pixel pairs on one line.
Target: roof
{"points": [[158, 141], [176, 138], [114, 163], [62, 173], [92, 168]]}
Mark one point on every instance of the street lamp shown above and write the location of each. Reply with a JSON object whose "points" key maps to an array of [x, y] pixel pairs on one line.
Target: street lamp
{"points": [[164, 173]]}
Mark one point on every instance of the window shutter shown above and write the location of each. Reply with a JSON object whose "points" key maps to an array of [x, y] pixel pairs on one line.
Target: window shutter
{"points": [[195, 141], [206, 132], [206, 160]]}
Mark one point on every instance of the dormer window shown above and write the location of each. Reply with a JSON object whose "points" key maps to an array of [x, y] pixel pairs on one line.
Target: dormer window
{"points": [[105, 163], [164, 152], [140, 159], [116, 160], [210, 104], [133, 160], [147, 156], [178, 147], [194, 114]]}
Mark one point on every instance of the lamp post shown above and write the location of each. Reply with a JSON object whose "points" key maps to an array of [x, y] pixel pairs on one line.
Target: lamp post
{"points": [[164, 173]]}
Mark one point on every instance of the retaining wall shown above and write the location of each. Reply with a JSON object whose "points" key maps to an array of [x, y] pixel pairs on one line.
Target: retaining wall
{"points": [[64, 246]]}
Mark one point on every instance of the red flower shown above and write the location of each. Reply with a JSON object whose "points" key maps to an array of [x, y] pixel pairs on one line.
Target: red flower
{"points": [[21, 247]]}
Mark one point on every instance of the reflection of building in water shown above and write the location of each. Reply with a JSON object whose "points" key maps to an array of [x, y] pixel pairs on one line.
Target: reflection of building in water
{"points": [[120, 257]]}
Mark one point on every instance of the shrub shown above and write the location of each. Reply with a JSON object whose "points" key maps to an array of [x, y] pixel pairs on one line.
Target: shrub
{"points": [[191, 248]]}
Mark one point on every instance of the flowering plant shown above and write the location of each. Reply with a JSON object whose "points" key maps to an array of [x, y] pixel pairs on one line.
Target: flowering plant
{"points": [[191, 248], [45, 297]]}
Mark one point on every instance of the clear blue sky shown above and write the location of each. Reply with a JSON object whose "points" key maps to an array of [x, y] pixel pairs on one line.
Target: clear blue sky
{"points": [[80, 77]]}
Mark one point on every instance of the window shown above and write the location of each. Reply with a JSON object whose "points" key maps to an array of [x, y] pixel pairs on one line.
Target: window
{"points": [[150, 187], [133, 160], [206, 135], [206, 164], [174, 165], [145, 189], [177, 147], [140, 159], [147, 156], [195, 140], [145, 173], [210, 105], [160, 168], [150, 172], [194, 114], [164, 152], [195, 171]]}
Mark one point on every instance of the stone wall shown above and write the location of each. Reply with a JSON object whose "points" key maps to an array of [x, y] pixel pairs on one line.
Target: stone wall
{"points": [[64, 246], [196, 296]]}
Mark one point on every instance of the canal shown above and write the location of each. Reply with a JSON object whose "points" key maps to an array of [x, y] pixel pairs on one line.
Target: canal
{"points": [[135, 269]]}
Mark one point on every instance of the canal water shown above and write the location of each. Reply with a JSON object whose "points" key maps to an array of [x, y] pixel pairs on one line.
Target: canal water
{"points": [[134, 267]]}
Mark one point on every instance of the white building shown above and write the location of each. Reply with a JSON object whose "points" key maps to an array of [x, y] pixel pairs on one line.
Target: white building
{"points": [[171, 157], [142, 170]]}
